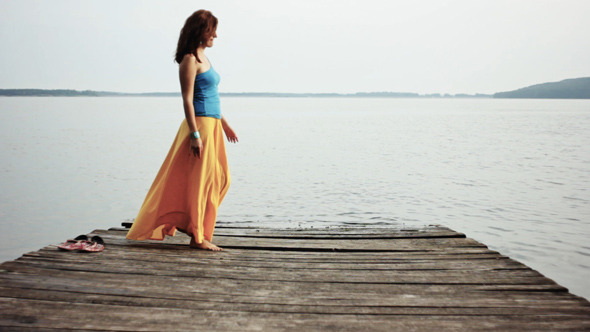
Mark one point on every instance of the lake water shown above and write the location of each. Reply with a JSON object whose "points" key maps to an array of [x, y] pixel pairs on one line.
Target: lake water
{"points": [[513, 174]]}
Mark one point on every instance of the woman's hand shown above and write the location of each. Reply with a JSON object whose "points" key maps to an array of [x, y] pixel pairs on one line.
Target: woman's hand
{"points": [[196, 147], [230, 134]]}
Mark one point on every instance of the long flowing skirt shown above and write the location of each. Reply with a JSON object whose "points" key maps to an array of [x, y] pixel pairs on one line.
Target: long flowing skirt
{"points": [[187, 190]]}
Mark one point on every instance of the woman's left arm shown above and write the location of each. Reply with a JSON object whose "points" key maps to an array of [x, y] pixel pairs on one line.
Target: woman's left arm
{"points": [[229, 132]]}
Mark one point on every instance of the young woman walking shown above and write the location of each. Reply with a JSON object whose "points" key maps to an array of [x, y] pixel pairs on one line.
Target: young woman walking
{"points": [[194, 177]]}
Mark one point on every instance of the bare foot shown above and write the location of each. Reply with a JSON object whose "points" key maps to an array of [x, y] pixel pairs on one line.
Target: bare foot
{"points": [[206, 245]]}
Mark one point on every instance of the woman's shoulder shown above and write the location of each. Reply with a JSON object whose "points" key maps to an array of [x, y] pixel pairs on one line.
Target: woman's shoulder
{"points": [[189, 58], [189, 62]]}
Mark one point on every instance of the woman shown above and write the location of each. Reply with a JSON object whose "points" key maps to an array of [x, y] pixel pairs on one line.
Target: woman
{"points": [[195, 177]]}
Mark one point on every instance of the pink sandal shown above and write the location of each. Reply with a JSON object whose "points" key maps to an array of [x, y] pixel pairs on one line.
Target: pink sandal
{"points": [[75, 244], [95, 244]]}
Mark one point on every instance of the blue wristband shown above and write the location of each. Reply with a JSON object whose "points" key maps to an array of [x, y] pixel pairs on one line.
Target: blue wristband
{"points": [[195, 134]]}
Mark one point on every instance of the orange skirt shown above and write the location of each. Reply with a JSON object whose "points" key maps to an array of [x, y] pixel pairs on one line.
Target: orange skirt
{"points": [[187, 190]]}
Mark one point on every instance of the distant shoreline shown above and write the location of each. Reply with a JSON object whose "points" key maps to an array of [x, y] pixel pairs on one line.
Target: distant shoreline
{"points": [[573, 88], [91, 93]]}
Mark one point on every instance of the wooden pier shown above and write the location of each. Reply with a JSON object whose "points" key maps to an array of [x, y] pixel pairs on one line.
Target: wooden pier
{"points": [[336, 279]]}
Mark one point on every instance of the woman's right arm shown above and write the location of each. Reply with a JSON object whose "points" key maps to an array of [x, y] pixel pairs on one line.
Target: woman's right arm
{"points": [[187, 74]]}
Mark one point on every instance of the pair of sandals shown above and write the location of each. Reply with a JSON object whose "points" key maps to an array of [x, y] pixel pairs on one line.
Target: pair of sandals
{"points": [[83, 244]]}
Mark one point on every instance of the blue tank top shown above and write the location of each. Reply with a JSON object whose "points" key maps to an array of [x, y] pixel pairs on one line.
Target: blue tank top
{"points": [[206, 96]]}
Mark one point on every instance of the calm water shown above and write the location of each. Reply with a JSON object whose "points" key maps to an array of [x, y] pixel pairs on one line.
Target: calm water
{"points": [[513, 174]]}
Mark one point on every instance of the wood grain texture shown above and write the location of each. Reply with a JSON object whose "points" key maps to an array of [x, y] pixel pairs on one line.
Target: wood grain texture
{"points": [[336, 279]]}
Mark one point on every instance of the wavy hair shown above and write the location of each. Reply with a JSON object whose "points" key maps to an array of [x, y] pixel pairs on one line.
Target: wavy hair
{"points": [[197, 29]]}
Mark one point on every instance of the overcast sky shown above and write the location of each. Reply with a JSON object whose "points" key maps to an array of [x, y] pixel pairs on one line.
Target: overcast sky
{"points": [[298, 46]]}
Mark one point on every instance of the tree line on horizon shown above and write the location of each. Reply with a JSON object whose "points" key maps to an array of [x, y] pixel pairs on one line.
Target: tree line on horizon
{"points": [[575, 88]]}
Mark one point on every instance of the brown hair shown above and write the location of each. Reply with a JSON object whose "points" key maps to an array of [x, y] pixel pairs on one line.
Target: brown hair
{"points": [[197, 29]]}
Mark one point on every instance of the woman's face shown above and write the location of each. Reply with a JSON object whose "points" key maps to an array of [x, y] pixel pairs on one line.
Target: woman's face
{"points": [[209, 42]]}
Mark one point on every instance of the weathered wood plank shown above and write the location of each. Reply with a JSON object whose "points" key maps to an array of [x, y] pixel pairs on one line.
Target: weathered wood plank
{"points": [[358, 244], [437, 267], [397, 306], [241, 255], [334, 232], [33, 278], [125, 318], [335, 235], [411, 263], [491, 277], [17, 289], [277, 255]]}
